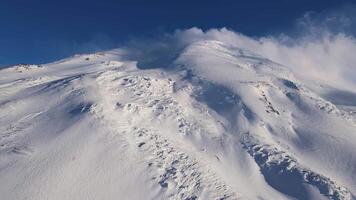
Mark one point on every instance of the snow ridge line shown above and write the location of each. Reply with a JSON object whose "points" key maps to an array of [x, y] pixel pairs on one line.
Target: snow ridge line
{"points": [[180, 175], [276, 164]]}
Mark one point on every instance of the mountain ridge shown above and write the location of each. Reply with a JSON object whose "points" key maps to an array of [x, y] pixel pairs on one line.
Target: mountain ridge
{"points": [[214, 122]]}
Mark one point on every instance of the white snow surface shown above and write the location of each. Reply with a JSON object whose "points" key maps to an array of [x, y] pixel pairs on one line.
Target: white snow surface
{"points": [[216, 122]]}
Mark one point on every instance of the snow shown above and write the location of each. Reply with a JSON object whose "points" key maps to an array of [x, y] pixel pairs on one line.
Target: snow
{"points": [[218, 122]]}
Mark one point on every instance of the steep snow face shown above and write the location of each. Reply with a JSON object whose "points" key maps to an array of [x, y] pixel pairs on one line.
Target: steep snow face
{"points": [[218, 123], [277, 109]]}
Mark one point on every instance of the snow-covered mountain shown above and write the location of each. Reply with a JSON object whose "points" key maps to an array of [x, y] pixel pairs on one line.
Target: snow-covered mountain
{"points": [[212, 122]]}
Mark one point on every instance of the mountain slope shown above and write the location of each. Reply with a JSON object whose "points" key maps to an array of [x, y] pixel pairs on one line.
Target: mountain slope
{"points": [[216, 122]]}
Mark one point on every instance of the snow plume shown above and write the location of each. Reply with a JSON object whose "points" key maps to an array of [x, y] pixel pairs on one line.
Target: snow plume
{"points": [[321, 48]]}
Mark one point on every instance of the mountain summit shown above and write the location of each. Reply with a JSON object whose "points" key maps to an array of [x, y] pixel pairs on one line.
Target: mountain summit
{"points": [[210, 121]]}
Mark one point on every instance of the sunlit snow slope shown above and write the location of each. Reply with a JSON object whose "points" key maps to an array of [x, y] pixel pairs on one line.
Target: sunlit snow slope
{"points": [[214, 122]]}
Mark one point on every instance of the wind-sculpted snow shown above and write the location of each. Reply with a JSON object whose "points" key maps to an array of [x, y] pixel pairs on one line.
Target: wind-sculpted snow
{"points": [[207, 121], [180, 175], [285, 174]]}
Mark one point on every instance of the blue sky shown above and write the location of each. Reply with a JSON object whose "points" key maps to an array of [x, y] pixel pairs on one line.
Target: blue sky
{"points": [[33, 31]]}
